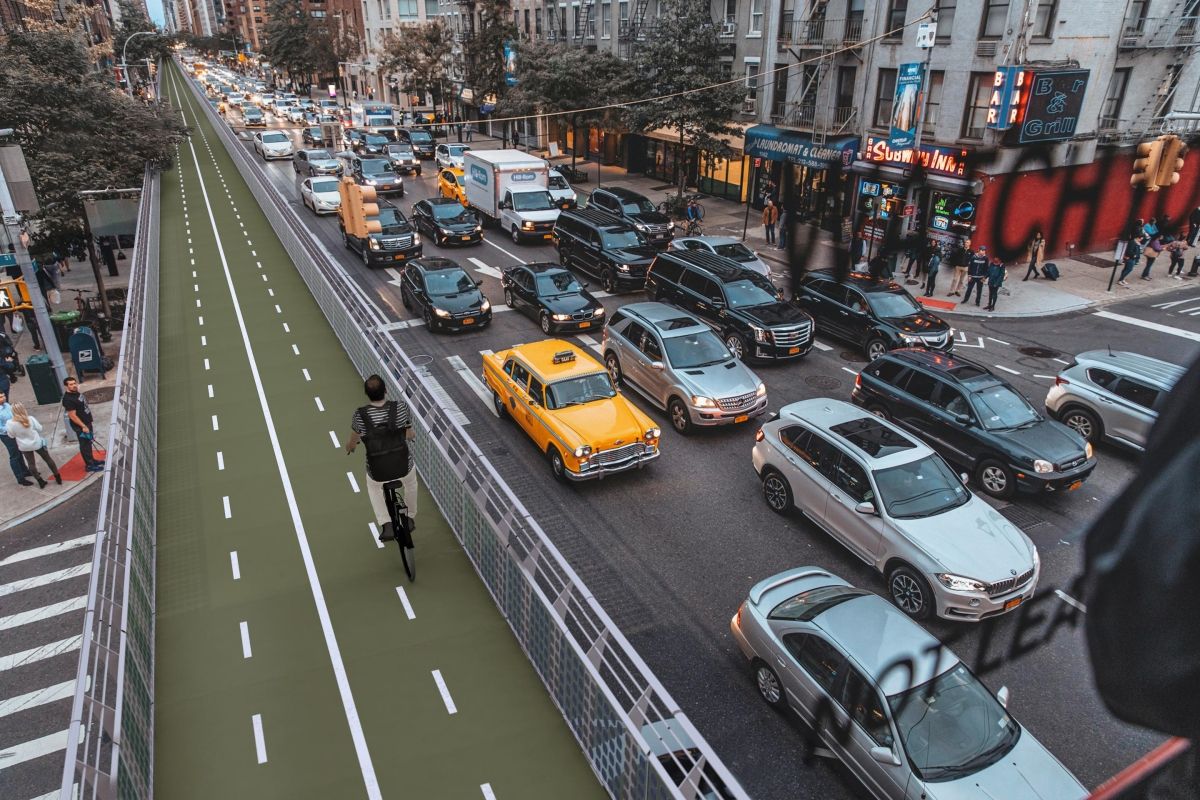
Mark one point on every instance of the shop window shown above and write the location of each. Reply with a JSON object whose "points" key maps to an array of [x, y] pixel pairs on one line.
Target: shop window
{"points": [[945, 19], [885, 96], [1045, 19], [975, 114], [894, 23], [933, 100], [995, 19]]}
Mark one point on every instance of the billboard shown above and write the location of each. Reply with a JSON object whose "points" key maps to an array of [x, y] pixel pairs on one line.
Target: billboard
{"points": [[1053, 105], [906, 107]]}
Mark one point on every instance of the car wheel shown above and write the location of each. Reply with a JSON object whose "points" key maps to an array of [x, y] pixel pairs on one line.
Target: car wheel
{"points": [[1084, 423], [427, 315], [606, 279], [544, 321], [879, 411], [404, 299], [614, 368], [910, 592], [498, 404], [564, 257], [736, 346], [996, 479], [681, 419], [516, 235], [346, 240], [558, 467], [366, 254], [777, 492], [770, 689], [508, 298], [875, 348]]}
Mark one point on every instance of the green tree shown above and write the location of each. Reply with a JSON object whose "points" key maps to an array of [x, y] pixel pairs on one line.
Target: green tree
{"points": [[682, 54], [78, 132], [134, 21], [288, 43], [484, 50], [421, 56]]}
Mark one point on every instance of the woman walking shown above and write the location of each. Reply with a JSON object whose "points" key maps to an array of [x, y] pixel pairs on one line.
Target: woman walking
{"points": [[28, 433], [1151, 252], [1033, 254]]}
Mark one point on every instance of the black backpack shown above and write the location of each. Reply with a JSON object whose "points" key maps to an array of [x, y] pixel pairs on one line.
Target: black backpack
{"points": [[387, 447]]}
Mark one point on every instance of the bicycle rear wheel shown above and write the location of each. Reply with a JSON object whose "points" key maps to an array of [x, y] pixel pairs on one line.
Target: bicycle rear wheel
{"points": [[407, 555]]}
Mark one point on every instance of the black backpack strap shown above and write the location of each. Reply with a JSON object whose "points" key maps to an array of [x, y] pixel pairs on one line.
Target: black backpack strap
{"points": [[393, 413], [368, 425]]}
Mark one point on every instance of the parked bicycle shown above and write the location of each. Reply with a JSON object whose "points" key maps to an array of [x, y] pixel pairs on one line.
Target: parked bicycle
{"points": [[91, 313], [675, 206]]}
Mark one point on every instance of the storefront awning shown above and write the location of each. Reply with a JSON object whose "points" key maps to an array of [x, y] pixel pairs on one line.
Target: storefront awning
{"points": [[672, 135], [781, 144]]}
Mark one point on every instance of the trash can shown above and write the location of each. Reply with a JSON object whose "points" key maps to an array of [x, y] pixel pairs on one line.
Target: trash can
{"points": [[43, 380], [64, 323]]}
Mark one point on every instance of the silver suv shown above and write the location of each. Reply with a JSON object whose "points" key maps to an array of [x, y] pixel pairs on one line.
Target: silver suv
{"points": [[676, 362], [894, 503], [1107, 394]]}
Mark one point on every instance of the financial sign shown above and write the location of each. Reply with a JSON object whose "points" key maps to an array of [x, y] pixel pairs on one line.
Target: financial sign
{"points": [[1053, 106], [1009, 93], [906, 106]]}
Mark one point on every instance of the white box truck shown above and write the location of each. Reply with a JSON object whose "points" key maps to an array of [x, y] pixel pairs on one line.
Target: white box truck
{"points": [[510, 188]]}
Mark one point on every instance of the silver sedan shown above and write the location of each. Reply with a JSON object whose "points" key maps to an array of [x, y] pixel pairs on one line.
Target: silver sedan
{"points": [[321, 195]]}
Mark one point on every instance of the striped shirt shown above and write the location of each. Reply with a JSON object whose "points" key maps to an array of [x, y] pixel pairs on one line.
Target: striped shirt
{"points": [[378, 413]]}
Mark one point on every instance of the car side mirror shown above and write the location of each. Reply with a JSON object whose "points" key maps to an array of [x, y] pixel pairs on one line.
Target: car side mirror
{"points": [[1002, 696], [964, 477], [504, 205], [478, 282], [962, 419], [865, 507], [657, 365], [885, 755], [718, 302]]}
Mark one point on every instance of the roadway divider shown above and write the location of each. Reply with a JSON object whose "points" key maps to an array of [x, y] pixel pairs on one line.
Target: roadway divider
{"points": [[636, 738]]}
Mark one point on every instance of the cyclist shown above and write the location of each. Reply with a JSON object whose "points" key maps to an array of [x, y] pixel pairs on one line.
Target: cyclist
{"points": [[384, 425], [694, 213]]}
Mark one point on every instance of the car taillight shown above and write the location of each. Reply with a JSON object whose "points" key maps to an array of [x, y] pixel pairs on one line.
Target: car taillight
{"points": [[858, 381], [739, 614], [759, 435], [1059, 380]]}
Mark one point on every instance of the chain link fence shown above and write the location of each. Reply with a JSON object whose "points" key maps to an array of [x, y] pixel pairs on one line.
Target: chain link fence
{"points": [[638, 741]]}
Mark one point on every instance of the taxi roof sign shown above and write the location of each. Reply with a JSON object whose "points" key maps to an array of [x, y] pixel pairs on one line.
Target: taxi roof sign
{"points": [[564, 356]]}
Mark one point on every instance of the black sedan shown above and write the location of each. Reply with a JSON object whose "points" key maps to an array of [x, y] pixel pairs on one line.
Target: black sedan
{"points": [[445, 296], [446, 222], [551, 295], [313, 137]]}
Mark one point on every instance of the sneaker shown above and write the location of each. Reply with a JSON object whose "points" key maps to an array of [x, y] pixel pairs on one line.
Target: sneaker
{"points": [[1145, 277], [1122, 283], [387, 534], [94, 468], [25, 482]]}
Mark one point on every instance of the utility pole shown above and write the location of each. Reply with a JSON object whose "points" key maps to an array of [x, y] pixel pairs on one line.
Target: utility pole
{"points": [[124, 66]]}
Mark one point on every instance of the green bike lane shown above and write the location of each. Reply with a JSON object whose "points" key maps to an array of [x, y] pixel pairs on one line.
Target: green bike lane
{"points": [[348, 706]]}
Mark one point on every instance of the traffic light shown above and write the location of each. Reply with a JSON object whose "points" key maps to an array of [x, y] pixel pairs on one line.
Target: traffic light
{"points": [[359, 211], [1145, 168], [1170, 161]]}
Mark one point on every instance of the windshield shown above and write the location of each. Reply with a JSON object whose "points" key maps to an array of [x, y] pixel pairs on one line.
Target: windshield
{"points": [[325, 186], [743, 293], [577, 391], [451, 212], [614, 240], [559, 182], [700, 349], [892, 304], [639, 206], [1001, 407], [391, 221], [457, 149], [319, 155], [375, 167], [375, 140], [532, 201], [550, 284], [920, 489], [400, 150], [274, 138], [952, 726], [419, 137], [445, 282], [737, 251], [387, 133]]}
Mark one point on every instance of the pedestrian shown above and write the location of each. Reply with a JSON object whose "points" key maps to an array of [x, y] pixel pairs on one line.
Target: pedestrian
{"points": [[27, 432], [1175, 250], [1153, 248], [1194, 226], [516, 139], [995, 279], [469, 129], [931, 269], [770, 216], [1033, 254], [959, 257], [913, 250], [1150, 228], [977, 272], [80, 417], [16, 462], [386, 429], [1133, 252], [783, 227]]}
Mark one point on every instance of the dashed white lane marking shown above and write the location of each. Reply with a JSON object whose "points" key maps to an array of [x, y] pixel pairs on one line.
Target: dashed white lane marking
{"points": [[41, 653], [258, 264], [998, 341], [851, 371], [271, 292], [333, 438], [210, 390], [233, 563], [286, 329], [197, 302], [220, 461], [45, 612], [252, 252], [195, 286], [204, 341], [1006, 369], [353, 483], [1071, 601], [307, 377], [225, 504], [821, 346], [483, 268], [264, 277], [446, 698], [38, 697], [216, 425], [48, 549], [320, 405], [408, 609], [516, 258], [278, 310], [1047, 377], [201, 321], [375, 535], [245, 630], [488, 794], [260, 744], [45, 580], [193, 273], [1153, 326], [295, 349], [206, 364]]}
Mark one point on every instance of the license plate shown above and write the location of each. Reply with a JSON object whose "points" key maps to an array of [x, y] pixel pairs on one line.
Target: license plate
{"points": [[399, 257], [547, 235], [1011, 604], [741, 418], [468, 321], [793, 350], [466, 238], [585, 324], [1074, 485]]}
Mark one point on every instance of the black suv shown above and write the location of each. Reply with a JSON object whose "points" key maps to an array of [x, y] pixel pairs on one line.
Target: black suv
{"points": [[420, 139], [875, 314], [376, 171], [638, 211], [742, 306], [603, 246], [976, 421]]}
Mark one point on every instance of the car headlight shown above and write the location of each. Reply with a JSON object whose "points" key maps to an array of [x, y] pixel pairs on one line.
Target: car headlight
{"points": [[907, 339], [583, 451], [1087, 449], [761, 390], [560, 317], [527, 226], [441, 312], [373, 244], [703, 402], [446, 231], [653, 433], [416, 238], [478, 228], [486, 305], [960, 584], [761, 334], [370, 181], [623, 267], [1041, 465], [599, 312], [640, 227]]}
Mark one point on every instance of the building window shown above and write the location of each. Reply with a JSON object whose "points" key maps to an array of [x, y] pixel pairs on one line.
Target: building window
{"points": [[1045, 18], [995, 19], [1110, 112], [1166, 90], [605, 20], [407, 9], [894, 24], [945, 19], [756, 17], [752, 68], [975, 114], [731, 10], [885, 95], [527, 22], [854, 20], [779, 96], [316, 13], [537, 21], [725, 69], [933, 100], [1136, 21], [787, 13], [845, 86]]}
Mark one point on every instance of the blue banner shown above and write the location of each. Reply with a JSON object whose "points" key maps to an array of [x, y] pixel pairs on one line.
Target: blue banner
{"points": [[779, 144], [510, 63], [906, 108]]}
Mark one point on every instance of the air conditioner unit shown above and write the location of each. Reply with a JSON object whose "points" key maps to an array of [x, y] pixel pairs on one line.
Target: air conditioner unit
{"points": [[551, 36], [728, 28], [748, 106], [985, 49]]}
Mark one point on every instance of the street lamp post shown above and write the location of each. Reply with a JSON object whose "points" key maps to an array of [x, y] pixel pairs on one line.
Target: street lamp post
{"points": [[124, 66]]}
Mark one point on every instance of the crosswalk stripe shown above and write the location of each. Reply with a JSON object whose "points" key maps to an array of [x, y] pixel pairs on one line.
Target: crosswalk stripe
{"points": [[35, 748], [41, 653], [38, 697], [45, 580], [472, 381], [45, 612], [49, 549], [1153, 326]]}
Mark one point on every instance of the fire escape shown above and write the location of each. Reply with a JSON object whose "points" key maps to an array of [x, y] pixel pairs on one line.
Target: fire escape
{"points": [[585, 25], [633, 30], [814, 105]]}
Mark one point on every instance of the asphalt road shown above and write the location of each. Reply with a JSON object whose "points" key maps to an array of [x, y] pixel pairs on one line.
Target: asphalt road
{"points": [[671, 551]]}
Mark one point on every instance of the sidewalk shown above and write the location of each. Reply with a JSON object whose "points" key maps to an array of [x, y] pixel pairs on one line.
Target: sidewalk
{"points": [[21, 503]]}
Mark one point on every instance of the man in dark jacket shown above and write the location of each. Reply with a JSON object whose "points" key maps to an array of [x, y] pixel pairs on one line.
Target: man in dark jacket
{"points": [[996, 274], [1193, 226], [977, 270]]}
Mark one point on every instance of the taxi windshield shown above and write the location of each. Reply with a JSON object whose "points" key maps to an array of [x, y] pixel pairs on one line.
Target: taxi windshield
{"points": [[577, 391]]}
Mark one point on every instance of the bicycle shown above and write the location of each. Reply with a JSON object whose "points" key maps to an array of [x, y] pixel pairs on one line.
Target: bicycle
{"points": [[402, 526], [91, 314], [694, 228]]}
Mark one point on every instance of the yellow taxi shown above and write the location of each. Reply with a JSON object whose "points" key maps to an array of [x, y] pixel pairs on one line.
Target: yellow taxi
{"points": [[565, 400], [451, 183]]}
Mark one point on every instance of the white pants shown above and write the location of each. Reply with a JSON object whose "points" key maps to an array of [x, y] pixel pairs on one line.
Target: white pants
{"points": [[379, 503]]}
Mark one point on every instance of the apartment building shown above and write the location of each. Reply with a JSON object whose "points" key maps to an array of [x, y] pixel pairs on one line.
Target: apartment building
{"points": [[380, 19]]}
